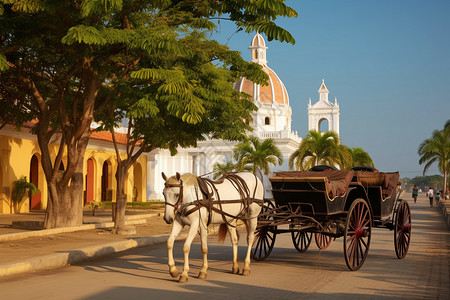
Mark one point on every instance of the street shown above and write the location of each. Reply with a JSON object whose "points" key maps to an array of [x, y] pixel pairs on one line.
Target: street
{"points": [[142, 273]]}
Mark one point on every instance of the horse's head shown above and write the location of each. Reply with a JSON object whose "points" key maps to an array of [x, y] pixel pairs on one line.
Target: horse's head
{"points": [[177, 191], [173, 195]]}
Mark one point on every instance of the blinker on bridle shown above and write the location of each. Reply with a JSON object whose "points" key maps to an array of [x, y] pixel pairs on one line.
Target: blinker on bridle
{"points": [[180, 195]]}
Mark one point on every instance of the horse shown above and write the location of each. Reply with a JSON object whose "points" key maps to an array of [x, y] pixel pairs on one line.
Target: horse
{"points": [[198, 202]]}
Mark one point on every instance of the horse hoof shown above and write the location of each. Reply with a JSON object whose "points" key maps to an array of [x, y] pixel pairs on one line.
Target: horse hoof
{"points": [[202, 275], [235, 271], [245, 272], [183, 279], [174, 273]]}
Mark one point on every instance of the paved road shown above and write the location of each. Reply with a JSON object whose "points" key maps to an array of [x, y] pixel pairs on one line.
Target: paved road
{"points": [[286, 274]]}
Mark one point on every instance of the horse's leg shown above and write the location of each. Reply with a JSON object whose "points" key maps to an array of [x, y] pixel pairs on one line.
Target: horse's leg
{"points": [[234, 243], [251, 227], [187, 248], [204, 237], [176, 228]]}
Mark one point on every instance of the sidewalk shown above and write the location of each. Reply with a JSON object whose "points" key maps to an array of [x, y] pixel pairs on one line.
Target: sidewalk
{"points": [[29, 250]]}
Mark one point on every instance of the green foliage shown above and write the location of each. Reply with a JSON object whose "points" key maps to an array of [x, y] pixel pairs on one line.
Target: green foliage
{"points": [[319, 148], [3, 63], [25, 6], [435, 181], [257, 155], [100, 7], [359, 158], [21, 186], [325, 149], [437, 150]]}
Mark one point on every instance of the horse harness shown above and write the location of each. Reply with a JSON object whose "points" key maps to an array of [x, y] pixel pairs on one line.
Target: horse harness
{"points": [[209, 202]]}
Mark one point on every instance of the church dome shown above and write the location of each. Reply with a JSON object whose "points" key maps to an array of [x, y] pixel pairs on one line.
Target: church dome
{"points": [[275, 92]]}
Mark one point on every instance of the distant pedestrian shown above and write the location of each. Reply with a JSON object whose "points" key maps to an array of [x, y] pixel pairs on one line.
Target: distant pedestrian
{"points": [[415, 193], [430, 195], [438, 197]]}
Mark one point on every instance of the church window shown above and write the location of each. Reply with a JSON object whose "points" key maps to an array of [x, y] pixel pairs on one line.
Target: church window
{"points": [[267, 121]]}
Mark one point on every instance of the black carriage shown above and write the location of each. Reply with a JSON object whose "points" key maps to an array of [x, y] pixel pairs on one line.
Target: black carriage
{"points": [[328, 204]]}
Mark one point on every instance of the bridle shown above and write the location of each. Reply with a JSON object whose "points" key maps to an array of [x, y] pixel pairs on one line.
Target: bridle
{"points": [[180, 195]]}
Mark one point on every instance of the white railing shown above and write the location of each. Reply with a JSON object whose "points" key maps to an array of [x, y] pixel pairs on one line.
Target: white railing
{"points": [[286, 134]]}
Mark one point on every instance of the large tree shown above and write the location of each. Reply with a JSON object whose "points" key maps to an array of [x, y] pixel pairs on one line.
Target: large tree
{"points": [[319, 148], [257, 154], [437, 150], [66, 63]]}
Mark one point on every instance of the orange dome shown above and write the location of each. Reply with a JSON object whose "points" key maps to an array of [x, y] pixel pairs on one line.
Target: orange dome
{"points": [[275, 92]]}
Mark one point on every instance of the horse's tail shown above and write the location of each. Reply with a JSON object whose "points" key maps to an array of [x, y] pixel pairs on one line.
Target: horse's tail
{"points": [[222, 234]]}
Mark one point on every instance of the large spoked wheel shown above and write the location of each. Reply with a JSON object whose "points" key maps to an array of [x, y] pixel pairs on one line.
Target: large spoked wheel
{"points": [[322, 240], [301, 240], [265, 235], [402, 229], [358, 231]]}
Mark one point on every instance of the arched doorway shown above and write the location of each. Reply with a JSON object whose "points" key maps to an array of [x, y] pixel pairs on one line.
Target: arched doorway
{"points": [[105, 182], [137, 186], [323, 125], [35, 200], [89, 193]]}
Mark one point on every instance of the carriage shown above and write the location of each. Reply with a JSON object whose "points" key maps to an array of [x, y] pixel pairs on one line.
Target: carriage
{"points": [[328, 204]]}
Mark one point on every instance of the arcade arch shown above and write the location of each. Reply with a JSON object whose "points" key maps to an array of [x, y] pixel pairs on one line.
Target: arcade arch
{"points": [[106, 181], [90, 181], [137, 185], [36, 179]]}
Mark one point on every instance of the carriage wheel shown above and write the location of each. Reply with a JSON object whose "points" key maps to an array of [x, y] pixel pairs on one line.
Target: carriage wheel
{"points": [[301, 240], [264, 236], [358, 230], [322, 240], [402, 229]]}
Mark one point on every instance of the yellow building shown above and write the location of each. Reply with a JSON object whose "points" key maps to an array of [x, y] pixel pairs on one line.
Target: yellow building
{"points": [[20, 156]]}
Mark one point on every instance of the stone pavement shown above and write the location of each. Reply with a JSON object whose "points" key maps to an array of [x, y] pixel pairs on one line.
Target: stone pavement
{"points": [[28, 250]]}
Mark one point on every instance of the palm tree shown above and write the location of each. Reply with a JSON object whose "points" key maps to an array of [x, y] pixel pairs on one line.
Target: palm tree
{"points": [[316, 149], [257, 155], [360, 157], [437, 149], [228, 167]]}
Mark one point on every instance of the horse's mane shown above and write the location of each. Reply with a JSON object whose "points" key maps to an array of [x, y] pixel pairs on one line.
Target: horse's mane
{"points": [[188, 180]]}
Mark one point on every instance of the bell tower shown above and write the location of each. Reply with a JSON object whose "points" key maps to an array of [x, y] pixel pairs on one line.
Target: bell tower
{"points": [[323, 111]]}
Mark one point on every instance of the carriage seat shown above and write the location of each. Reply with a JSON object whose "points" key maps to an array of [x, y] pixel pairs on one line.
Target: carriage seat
{"points": [[336, 182], [387, 181]]}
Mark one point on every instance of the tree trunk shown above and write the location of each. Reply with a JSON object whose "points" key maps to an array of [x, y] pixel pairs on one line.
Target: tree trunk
{"points": [[121, 198], [65, 205], [445, 186]]}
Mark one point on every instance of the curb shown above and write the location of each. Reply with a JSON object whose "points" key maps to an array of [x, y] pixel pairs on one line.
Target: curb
{"points": [[58, 260], [138, 219]]}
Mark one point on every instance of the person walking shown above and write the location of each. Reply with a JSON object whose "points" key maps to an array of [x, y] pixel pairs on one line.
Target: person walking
{"points": [[438, 197], [415, 193], [430, 195]]}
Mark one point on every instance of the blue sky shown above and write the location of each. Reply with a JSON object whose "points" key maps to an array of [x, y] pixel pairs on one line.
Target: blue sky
{"points": [[387, 62]]}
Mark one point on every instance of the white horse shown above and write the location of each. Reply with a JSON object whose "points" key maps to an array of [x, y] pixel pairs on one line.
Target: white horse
{"points": [[238, 197]]}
